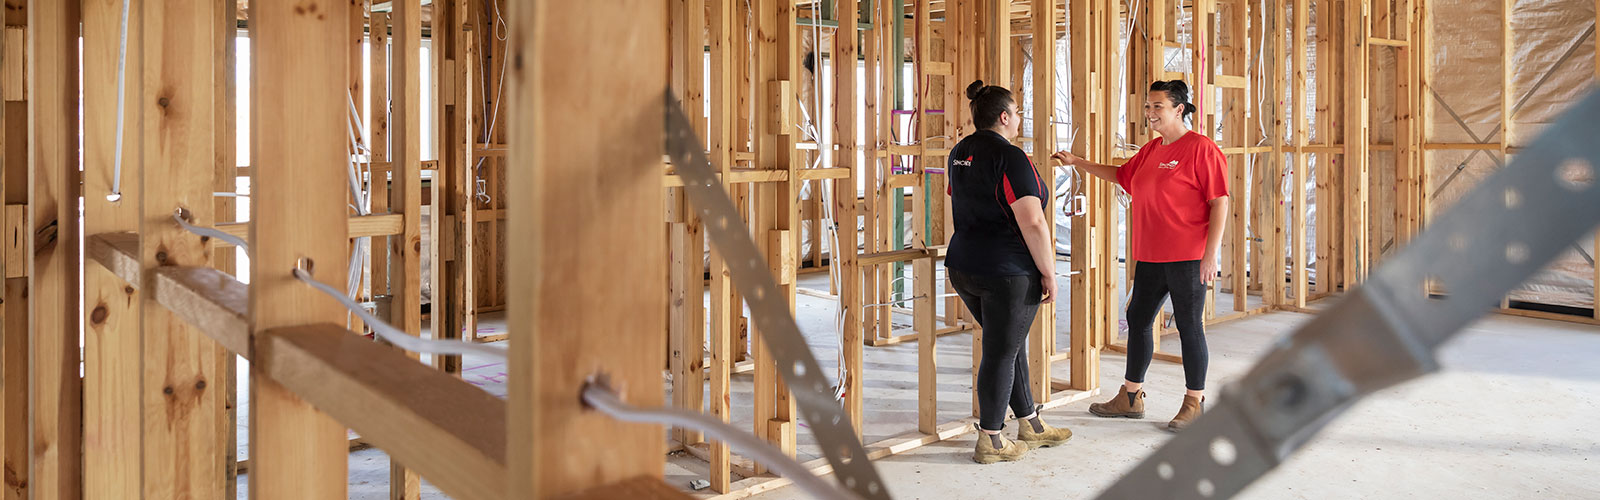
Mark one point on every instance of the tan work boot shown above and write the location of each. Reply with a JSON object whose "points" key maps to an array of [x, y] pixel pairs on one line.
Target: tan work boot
{"points": [[1120, 406], [1047, 436], [986, 453], [1192, 408]]}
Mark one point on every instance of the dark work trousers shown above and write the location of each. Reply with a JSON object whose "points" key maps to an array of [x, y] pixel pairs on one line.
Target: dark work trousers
{"points": [[1004, 307], [1152, 282]]}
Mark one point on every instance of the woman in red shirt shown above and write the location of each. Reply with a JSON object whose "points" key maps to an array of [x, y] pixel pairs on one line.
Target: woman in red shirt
{"points": [[1179, 186]]}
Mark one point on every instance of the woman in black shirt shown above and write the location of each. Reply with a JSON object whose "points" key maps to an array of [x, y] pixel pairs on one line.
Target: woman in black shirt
{"points": [[1002, 264]]}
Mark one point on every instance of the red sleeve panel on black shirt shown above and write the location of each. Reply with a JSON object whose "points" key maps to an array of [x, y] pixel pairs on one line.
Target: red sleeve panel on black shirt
{"points": [[1020, 179]]}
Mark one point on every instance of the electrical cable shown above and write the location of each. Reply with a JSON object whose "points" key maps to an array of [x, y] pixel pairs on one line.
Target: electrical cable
{"points": [[394, 335], [122, 92], [211, 232], [605, 401]]}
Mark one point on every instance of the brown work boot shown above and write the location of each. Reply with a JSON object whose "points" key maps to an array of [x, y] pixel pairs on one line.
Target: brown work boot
{"points": [[1038, 434], [1124, 404], [1192, 408], [987, 453]]}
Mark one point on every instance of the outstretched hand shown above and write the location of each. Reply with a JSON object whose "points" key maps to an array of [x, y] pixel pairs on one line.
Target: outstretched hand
{"points": [[1066, 158]]}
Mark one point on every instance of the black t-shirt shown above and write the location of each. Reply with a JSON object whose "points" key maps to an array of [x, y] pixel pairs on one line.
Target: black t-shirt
{"points": [[987, 173]]}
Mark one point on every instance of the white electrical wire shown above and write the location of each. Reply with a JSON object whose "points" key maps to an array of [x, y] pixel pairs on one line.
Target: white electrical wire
{"points": [[607, 402], [209, 231], [397, 337], [122, 81]]}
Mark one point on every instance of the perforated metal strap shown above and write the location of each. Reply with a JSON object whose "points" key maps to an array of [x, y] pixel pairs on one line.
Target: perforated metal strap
{"points": [[1385, 331], [769, 309]]}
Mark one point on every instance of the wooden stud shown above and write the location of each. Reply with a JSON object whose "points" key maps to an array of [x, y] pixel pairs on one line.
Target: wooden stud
{"points": [[14, 344], [927, 345], [1245, 203], [296, 451], [1407, 191], [1042, 335], [548, 371], [378, 108], [844, 210], [687, 244], [1085, 374], [182, 408], [13, 75], [226, 179], [722, 45], [112, 406], [1302, 137], [404, 254], [1358, 28], [454, 298], [53, 176], [1271, 268]]}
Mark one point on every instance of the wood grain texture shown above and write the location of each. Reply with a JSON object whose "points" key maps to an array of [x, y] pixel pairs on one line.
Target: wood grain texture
{"points": [[439, 425], [53, 177], [296, 452], [580, 230]]}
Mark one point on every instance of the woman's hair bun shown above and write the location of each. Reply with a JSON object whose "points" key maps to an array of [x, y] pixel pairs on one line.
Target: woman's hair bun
{"points": [[975, 90]]}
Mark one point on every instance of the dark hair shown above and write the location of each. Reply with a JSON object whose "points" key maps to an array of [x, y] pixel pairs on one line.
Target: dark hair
{"points": [[1177, 92], [988, 103]]}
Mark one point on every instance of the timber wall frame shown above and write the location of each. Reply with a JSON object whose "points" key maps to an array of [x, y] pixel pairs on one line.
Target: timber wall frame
{"points": [[163, 317], [1230, 51]]}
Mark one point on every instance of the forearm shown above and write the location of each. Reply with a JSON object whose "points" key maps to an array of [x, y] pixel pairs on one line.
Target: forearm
{"points": [[1043, 251], [1103, 171], [1218, 226]]}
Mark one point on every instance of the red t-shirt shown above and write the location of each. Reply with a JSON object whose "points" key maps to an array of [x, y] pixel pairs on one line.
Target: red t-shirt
{"points": [[1172, 186]]}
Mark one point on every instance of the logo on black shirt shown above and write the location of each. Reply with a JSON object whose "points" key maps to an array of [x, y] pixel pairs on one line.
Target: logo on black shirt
{"points": [[962, 163]]}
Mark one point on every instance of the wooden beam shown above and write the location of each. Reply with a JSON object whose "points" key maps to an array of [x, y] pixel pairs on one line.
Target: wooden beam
{"points": [[214, 302], [441, 426], [360, 226], [553, 78], [53, 174], [296, 451]]}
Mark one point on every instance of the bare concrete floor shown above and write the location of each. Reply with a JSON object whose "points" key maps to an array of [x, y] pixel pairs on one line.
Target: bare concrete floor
{"points": [[1514, 414]]}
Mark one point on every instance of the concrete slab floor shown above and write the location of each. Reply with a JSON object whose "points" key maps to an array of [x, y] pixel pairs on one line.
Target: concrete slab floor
{"points": [[1513, 414]]}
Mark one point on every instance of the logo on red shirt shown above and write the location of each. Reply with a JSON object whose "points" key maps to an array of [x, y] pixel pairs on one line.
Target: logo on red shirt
{"points": [[1171, 165]]}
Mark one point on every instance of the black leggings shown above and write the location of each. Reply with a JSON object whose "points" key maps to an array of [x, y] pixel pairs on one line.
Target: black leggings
{"points": [[1004, 307], [1152, 281]]}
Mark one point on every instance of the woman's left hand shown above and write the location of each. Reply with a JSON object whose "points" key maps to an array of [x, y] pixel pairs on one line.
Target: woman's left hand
{"points": [[1208, 268]]}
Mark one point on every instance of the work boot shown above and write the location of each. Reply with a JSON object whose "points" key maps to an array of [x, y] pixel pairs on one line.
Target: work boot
{"points": [[987, 453], [1038, 434], [1192, 408], [1124, 404]]}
